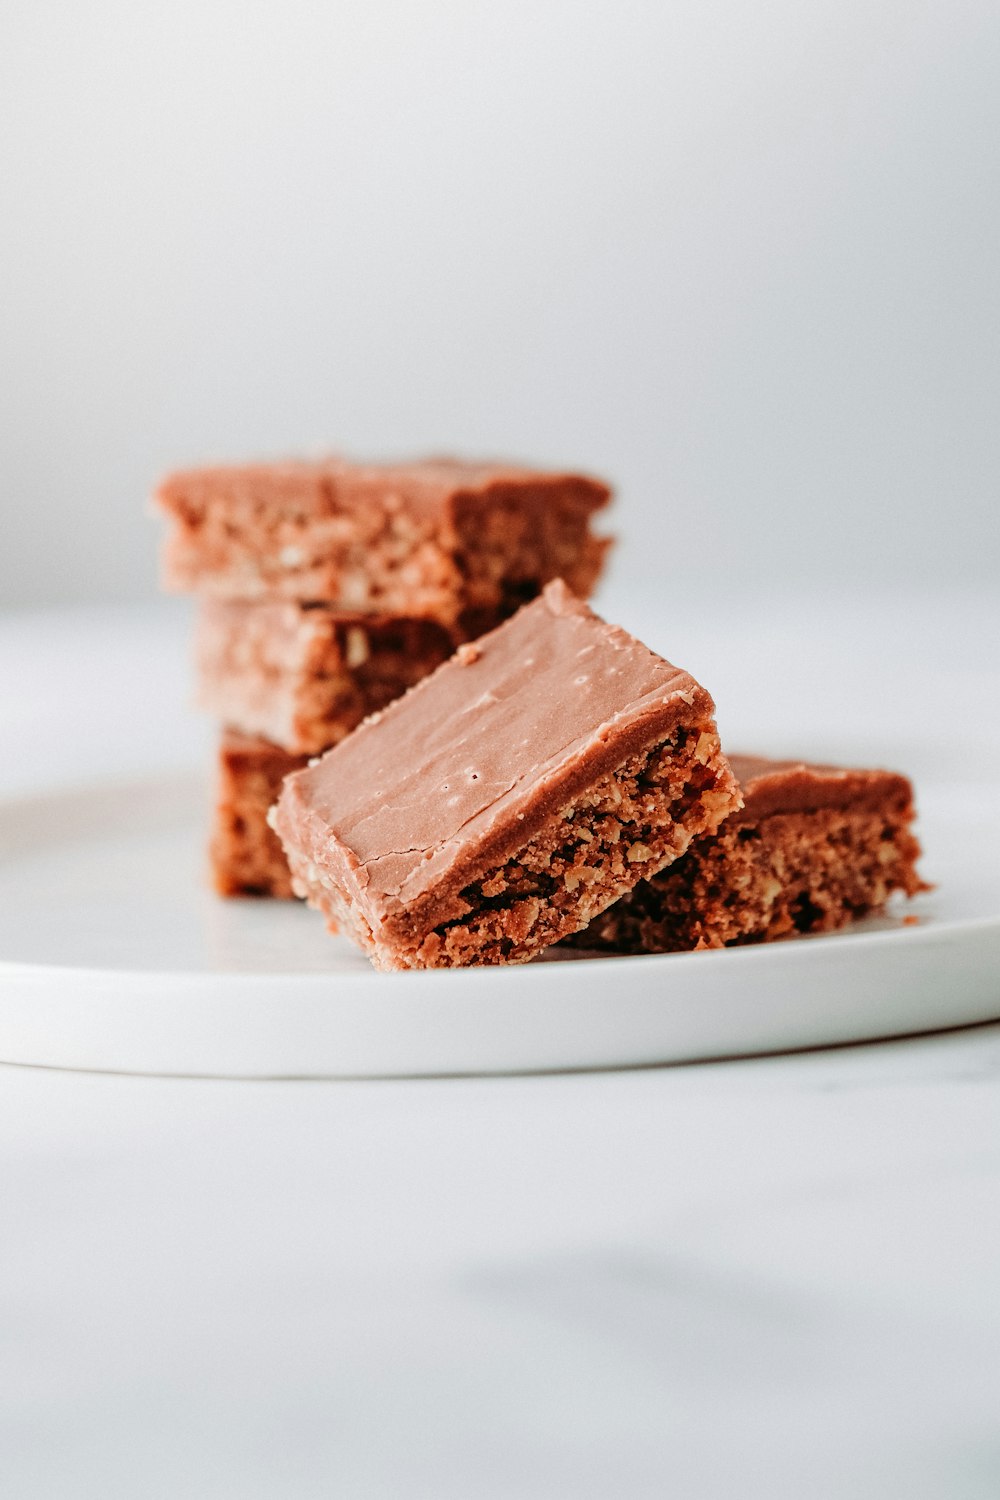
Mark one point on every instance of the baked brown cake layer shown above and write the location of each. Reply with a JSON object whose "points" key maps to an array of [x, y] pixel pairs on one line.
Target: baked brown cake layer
{"points": [[437, 540], [812, 848], [304, 676], [246, 858], [508, 798]]}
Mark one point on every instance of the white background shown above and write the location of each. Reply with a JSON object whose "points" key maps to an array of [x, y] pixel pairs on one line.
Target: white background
{"points": [[739, 258]]}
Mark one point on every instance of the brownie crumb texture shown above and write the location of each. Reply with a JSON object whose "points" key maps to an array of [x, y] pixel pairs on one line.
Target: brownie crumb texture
{"points": [[440, 540], [304, 678], [245, 855], [791, 873]]}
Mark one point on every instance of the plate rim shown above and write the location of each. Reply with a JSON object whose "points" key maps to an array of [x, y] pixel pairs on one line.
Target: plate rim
{"points": [[152, 1021]]}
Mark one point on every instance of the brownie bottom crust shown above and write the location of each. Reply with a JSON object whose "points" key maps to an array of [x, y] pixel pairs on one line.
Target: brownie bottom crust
{"points": [[789, 873], [583, 858], [245, 857]]}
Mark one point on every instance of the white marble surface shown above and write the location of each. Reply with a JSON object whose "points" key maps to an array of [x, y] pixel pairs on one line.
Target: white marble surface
{"points": [[774, 1277]]}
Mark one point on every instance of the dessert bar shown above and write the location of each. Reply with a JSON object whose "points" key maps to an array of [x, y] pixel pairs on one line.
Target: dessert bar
{"points": [[246, 858], [812, 847], [454, 542], [305, 676], [510, 797]]}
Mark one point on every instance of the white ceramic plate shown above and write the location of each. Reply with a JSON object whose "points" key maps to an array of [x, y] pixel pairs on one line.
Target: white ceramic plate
{"points": [[115, 955]]}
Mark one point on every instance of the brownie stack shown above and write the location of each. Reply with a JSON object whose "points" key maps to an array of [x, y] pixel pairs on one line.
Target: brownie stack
{"points": [[328, 589], [558, 781]]}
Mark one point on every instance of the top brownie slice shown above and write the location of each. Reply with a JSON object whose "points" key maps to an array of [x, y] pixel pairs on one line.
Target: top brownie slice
{"points": [[438, 539], [513, 794]]}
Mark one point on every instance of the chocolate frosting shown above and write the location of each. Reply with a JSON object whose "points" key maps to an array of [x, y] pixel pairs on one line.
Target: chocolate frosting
{"points": [[464, 767], [777, 786], [332, 485]]}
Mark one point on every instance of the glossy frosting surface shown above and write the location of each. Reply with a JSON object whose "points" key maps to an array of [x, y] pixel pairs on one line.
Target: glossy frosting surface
{"points": [[333, 485], [776, 786], [492, 738]]}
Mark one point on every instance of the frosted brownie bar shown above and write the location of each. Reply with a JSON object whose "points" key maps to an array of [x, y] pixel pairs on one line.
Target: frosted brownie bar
{"points": [[305, 676], [246, 858], [811, 848], [437, 540], [510, 797]]}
